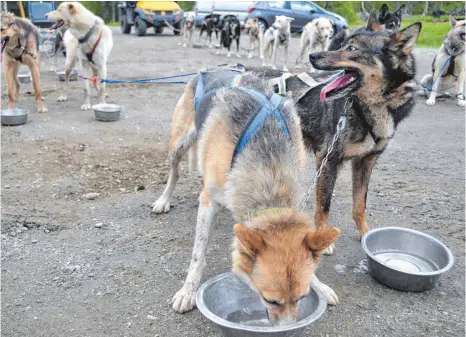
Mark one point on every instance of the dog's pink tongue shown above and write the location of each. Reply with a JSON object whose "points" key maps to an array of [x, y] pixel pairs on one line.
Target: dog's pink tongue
{"points": [[339, 82]]}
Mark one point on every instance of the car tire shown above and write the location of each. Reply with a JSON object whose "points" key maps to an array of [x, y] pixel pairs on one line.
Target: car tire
{"points": [[177, 26], [263, 24], [141, 26], [158, 30], [124, 26]]}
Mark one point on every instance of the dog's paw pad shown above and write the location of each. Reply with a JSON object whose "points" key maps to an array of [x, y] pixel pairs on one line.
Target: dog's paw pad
{"points": [[162, 205], [329, 294], [184, 300], [86, 106], [329, 250]]}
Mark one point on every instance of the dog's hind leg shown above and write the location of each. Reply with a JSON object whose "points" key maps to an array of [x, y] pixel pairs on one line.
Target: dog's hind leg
{"points": [[88, 73], [183, 136], [185, 299], [461, 87], [238, 54], [285, 68], [362, 169], [102, 73], [192, 159]]}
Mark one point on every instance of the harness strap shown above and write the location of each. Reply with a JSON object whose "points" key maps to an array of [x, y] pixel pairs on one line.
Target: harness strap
{"points": [[91, 52], [451, 67], [88, 34], [268, 108]]}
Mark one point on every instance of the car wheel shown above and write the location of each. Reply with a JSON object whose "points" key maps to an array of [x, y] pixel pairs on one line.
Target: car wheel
{"points": [[158, 30], [263, 24], [124, 26], [177, 26], [141, 26]]}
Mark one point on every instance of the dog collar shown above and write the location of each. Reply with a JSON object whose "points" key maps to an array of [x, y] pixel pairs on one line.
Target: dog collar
{"points": [[86, 37], [264, 212]]}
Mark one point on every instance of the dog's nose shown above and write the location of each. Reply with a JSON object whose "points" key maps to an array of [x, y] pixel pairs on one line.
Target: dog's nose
{"points": [[46, 15], [314, 56]]}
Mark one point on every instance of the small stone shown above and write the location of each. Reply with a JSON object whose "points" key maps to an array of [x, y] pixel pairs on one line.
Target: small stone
{"points": [[98, 225], [69, 269], [140, 188], [445, 313], [91, 196], [378, 316], [123, 190], [99, 293], [35, 317], [7, 186], [129, 324], [153, 318], [34, 241]]}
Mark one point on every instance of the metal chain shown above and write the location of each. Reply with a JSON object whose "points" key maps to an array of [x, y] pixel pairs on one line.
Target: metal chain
{"points": [[340, 126]]}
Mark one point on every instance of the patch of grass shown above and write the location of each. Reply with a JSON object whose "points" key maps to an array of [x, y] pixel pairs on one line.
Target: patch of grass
{"points": [[113, 24]]}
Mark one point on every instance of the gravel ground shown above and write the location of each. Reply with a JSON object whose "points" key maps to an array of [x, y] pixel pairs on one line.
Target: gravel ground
{"points": [[72, 266]]}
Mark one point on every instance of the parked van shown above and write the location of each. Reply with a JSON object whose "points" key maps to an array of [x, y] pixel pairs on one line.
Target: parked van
{"points": [[204, 8]]}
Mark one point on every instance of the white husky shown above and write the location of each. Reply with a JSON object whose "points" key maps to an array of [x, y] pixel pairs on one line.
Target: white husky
{"points": [[277, 35], [315, 37]]}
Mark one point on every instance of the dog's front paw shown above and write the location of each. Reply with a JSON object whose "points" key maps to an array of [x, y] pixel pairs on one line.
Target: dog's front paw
{"points": [[250, 56], [461, 102], [229, 55], [329, 294], [86, 106], [285, 68], [42, 109], [184, 45], [329, 250], [430, 101], [274, 67], [162, 205], [62, 98], [184, 300]]}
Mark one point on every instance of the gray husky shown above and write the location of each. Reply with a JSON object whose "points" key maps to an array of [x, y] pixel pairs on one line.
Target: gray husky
{"points": [[450, 59]]}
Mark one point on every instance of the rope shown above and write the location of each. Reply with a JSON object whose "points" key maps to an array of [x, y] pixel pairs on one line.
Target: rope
{"points": [[153, 80]]}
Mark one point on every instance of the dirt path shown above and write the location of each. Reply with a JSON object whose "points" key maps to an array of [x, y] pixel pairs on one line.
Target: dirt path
{"points": [[108, 267]]}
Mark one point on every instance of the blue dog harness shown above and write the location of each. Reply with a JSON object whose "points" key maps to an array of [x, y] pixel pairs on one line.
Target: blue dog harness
{"points": [[268, 108], [199, 93]]}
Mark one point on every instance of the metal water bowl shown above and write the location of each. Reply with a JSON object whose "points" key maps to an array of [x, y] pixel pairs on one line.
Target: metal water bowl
{"points": [[24, 77], [238, 311], [13, 117], [406, 259], [107, 112]]}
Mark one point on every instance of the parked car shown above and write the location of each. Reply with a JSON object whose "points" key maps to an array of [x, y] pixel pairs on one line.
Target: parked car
{"points": [[224, 8], [302, 12], [145, 14]]}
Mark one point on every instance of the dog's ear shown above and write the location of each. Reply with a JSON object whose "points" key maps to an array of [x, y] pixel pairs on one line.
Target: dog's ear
{"points": [[251, 241], [383, 12], [289, 19], [373, 23], [399, 11], [72, 9], [452, 21], [404, 40], [319, 240]]}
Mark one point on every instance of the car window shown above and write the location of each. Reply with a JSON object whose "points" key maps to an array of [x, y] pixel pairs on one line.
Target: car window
{"points": [[277, 4], [302, 6]]}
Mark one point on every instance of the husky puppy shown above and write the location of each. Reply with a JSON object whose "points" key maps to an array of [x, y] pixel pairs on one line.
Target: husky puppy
{"points": [[453, 75], [277, 35]]}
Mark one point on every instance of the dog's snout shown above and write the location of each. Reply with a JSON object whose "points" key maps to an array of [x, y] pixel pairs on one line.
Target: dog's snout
{"points": [[46, 15], [314, 56]]}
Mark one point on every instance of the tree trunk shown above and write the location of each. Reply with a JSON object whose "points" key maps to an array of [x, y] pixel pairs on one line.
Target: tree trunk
{"points": [[426, 8]]}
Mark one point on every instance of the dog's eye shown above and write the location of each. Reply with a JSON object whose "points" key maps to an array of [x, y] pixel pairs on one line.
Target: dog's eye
{"points": [[351, 48], [274, 302]]}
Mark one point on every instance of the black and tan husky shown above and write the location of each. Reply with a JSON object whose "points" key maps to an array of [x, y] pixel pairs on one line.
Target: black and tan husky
{"points": [[379, 71]]}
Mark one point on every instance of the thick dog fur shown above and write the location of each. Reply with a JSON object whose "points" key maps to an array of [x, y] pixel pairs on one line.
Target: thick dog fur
{"points": [[186, 35], [256, 36], [315, 37], [384, 20], [210, 25], [277, 35], [454, 74], [276, 253], [20, 39], [79, 22], [231, 31]]}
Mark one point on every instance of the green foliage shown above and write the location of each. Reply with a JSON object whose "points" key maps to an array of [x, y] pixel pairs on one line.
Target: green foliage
{"points": [[347, 9], [186, 5]]}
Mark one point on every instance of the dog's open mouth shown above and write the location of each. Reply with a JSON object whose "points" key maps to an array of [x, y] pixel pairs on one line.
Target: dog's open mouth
{"points": [[57, 24], [462, 36], [341, 86]]}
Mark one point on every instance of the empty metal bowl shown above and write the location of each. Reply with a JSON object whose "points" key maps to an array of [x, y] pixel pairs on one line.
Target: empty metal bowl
{"points": [[62, 75], [405, 259], [107, 112], [13, 117], [24, 77], [238, 311]]}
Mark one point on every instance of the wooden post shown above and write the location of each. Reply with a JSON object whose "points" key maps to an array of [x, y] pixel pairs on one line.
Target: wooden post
{"points": [[21, 9]]}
